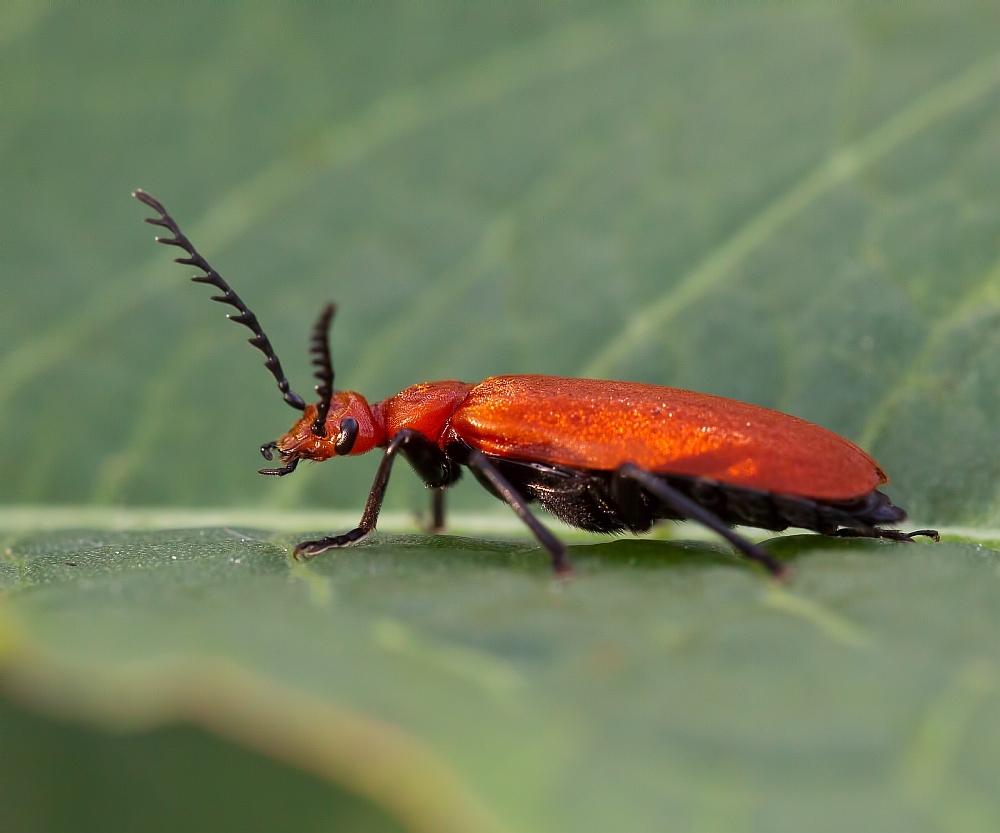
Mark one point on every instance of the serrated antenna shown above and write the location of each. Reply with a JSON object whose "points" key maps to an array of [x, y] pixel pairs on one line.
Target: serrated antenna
{"points": [[244, 316], [319, 347]]}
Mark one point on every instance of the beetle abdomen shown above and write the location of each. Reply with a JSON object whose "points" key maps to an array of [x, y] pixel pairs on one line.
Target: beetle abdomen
{"points": [[585, 499], [600, 425]]}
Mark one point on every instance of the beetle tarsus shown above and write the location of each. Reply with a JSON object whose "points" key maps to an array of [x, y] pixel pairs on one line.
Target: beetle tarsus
{"points": [[308, 549], [887, 534], [933, 534], [288, 468]]}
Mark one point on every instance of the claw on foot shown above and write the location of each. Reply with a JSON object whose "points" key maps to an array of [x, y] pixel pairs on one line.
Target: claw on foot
{"points": [[933, 534], [308, 549]]}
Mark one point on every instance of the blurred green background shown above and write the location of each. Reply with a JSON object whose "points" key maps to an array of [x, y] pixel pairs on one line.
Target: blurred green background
{"points": [[791, 205], [796, 205]]}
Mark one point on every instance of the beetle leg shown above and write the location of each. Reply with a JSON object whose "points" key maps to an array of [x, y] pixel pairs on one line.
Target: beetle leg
{"points": [[437, 511], [509, 495], [433, 522], [437, 471], [413, 444], [288, 468], [687, 508], [888, 534]]}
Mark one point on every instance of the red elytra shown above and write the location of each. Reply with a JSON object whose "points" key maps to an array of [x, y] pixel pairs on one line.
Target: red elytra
{"points": [[601, 455], [603, 425]]}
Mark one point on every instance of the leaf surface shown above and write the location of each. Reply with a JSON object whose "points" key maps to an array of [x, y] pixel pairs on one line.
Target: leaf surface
{"points": [[666, 683]]}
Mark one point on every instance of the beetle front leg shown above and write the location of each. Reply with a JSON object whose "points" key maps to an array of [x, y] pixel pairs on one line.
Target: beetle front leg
{"points": [[687, 508], [307, 549]]}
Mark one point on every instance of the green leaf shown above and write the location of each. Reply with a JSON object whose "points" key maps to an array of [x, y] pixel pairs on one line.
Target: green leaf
{"points": [[453, 684]]}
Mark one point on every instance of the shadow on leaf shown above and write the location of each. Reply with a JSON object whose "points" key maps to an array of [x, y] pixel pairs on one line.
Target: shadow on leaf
{"points": [[648, 554]]}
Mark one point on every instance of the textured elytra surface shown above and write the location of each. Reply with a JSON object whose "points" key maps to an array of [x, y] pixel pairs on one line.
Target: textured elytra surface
{"points": [[793, 206], [602, 425]]}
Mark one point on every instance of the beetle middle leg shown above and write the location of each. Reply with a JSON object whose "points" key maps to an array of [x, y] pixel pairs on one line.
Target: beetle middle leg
{"points": [[687, 508], [479, 463], [436, 524], [427, 460], [433, 521]]}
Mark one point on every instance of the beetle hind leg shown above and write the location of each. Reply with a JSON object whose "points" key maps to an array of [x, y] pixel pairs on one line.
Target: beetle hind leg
{"points": [[887, 534], [685, 507]]}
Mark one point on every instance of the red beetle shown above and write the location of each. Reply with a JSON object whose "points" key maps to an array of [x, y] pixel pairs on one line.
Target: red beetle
{"points": [[602, 456]]}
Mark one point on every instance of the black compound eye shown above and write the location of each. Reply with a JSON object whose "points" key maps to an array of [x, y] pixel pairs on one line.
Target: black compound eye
{"points": [[347, 435]]}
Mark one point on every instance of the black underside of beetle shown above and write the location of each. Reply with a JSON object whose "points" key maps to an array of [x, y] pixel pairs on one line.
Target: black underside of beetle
{"points": [[590, 499]]}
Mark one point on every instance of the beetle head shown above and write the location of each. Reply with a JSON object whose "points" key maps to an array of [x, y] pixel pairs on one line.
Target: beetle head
{"points": [[351, 428], [341, 423]]}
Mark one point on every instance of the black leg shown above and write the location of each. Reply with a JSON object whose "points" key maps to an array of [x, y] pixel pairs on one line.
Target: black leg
{"points": [[433, 522], [437, 511], [508, 494], [406, 441], [888, 534], [687, 508]]}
